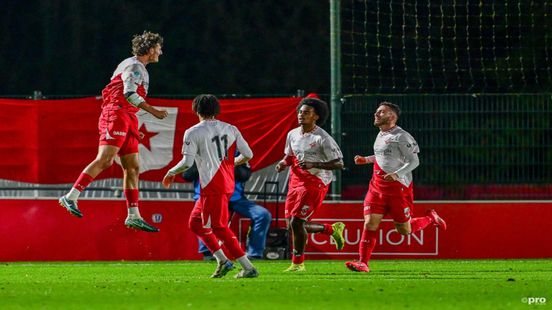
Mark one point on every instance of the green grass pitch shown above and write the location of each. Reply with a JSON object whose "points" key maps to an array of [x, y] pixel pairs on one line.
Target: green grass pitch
{"points": [[392, 284]]}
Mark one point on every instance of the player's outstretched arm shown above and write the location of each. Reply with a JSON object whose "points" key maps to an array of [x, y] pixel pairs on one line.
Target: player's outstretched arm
{"points": [[363, 160], [183, 165], [159, 114]]}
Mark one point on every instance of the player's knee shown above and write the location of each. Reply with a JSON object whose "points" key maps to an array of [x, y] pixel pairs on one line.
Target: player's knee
{"points": [[105, 161], [370, 226], [132, 171], [195, 225]]}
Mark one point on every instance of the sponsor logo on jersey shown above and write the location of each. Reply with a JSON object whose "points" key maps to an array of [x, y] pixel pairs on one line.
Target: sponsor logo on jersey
{"points": [[108, 136], [119, 133]]}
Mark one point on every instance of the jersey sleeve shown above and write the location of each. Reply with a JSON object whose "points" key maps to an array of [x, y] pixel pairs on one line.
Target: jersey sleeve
{"points": [[189, 151], [407, 145], [132, 77], [287, 149], [189, 145], [242, 145], [331, 149], [409, 149]]}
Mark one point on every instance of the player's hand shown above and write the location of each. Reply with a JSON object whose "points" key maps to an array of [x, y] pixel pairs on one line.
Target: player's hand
{"points": [[168, 180], [306, 165], [160, 114], [391, 177], [281, 166], [361, 160]]}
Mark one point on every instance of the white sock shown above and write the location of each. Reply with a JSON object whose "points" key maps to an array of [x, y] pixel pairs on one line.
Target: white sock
{"points": [[219, 255], [134, 212], [73, 194], [245, 262]]}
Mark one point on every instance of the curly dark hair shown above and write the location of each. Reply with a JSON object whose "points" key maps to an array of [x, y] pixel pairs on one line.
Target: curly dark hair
{"points": [[141, 43], [320, 108], [206, 105], [394, 107]]}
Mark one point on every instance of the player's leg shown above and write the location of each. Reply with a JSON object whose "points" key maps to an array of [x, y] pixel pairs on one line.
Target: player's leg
{"points": [[299, 242], [293, 201], [315, 197], [374, 210], [200, 225], [203, 250], [367, 243], [260, 222], [418, 223], [104, 159], [401, 209], [216, 208], [232, 245], [206, 235], [131, 172], [335, 231]]}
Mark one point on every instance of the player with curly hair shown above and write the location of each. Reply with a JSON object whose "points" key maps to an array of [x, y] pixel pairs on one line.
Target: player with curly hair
{"points": [[118, 127], [311, 153]]}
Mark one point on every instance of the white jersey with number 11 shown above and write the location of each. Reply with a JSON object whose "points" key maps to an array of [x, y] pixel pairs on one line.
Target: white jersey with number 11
{"points": [[212, 144]]}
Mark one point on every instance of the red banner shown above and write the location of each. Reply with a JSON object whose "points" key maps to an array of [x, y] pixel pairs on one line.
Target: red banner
{"points": [[51, 141], [42, 230]]}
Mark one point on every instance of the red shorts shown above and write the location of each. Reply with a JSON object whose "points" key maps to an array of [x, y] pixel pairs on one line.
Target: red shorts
{"points": [[212, 210], [399, 204], [119, 128], [302, 201]]}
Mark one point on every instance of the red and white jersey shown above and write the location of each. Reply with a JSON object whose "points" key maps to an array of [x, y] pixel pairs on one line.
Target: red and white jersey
{"points": [[393, 149], [212, 144], [315, 146], [129, 76]]}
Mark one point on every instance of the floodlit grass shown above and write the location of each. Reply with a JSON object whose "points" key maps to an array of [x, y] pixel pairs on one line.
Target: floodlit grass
{"points": [[392, 284]]}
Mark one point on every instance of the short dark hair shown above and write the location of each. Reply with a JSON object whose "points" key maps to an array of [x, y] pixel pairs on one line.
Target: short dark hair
{"points": [[206, 105], [320, 108], [141, 43], [392, 106]]}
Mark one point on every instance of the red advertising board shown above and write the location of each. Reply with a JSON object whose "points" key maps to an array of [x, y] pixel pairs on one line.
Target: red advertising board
{"points": [[41, 230]]}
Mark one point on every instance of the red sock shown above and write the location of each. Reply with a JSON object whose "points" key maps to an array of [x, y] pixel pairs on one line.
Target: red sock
{"points": [[205, 234], [328, 229], [83, 181], [299, 259], [227, 252], [229, 240], [367, 244], [419, 223], [132, 196]]}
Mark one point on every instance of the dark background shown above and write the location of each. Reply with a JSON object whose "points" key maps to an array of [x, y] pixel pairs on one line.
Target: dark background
{"points": [[258, 47]]}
